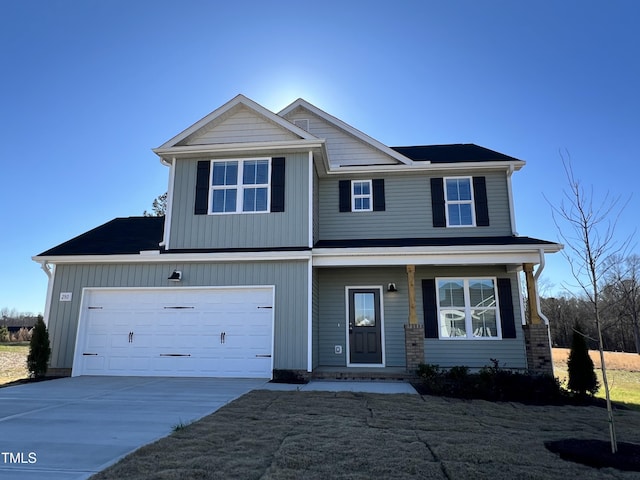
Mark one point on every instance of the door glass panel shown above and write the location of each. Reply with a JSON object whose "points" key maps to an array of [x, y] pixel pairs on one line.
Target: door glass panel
{"points": [[365, 312]]}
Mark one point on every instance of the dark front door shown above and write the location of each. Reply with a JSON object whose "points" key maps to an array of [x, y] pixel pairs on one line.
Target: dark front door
{"points": [[365, 345]]}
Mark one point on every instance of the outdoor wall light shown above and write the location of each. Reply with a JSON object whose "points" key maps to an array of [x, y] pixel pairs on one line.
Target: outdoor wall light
{"points": [[392, 287], [176, 276]]}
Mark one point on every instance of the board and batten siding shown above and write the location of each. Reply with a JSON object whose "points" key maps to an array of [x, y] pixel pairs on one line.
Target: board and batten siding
{"points": [[242, 230], [239, 125], [408, 211], [289, 278], [446, 353], [343, 148]]}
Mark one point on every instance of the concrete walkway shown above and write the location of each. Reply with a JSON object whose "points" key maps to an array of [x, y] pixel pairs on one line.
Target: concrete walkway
{"points": [[345, 386], [71, 428]]}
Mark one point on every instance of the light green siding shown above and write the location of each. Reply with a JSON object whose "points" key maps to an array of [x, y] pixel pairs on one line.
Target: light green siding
{"points": [[243, 230], [332, 318], [473, 353], [408, 210], [446, 353], [289, 278]]}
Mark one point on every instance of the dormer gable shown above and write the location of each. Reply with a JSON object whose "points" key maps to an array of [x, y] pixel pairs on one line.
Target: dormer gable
{"points": [[346, 145], [241, 120]]}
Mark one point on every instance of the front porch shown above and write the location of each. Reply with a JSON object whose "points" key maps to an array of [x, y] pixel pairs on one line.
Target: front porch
{"points": [[399, 374]]}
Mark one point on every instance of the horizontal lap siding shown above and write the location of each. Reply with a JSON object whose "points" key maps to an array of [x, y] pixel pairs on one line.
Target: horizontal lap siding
{"points": [[343, 149], [289, 278], [408, 211], [239, 126], [446, 353], [249, 230], [332, 311], [473, 353]]}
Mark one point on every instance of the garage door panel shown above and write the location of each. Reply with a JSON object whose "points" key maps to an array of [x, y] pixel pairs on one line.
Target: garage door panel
{"points": [[195, 332]]}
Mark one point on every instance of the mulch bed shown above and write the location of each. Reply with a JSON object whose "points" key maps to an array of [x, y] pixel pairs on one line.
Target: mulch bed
{"points": [[597, 453]]}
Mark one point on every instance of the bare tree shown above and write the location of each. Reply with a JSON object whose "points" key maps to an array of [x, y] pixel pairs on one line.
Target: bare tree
{"points": [[158, 207], [587, 228], [623, 286]]}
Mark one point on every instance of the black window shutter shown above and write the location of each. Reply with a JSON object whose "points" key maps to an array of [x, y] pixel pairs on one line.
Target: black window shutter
{"points": [[507, 318], [344, 187], [437, 202], [480, 200], [202, 188], [277, 184], [430, 308], [378, 195]]}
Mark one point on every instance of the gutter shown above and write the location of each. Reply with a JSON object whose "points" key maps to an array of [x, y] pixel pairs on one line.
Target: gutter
{"points": [[50, 272], [536, 276]]}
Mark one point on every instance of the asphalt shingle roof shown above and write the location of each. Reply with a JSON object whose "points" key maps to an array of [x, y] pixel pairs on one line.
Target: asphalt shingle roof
{"points": [[454, 153], [120, 236]]}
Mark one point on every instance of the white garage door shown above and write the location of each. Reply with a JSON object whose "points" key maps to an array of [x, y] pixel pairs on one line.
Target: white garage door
{"points": [[200, 332]]}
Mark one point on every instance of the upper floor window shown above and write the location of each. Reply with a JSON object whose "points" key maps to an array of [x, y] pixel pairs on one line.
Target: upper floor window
{"points": [[467, 308], [459, 202], [240, 185], [361, 196]]}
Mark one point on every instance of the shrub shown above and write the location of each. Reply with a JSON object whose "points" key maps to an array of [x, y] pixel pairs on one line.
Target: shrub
{"points": [[490, 383], [4, 334], [39, 350], [582, 376], [428, 371]]}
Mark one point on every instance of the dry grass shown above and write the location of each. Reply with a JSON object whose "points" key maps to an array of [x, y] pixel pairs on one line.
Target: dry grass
{"points": [[13, 362], [623, 373], [629, 362], [319, 435]]}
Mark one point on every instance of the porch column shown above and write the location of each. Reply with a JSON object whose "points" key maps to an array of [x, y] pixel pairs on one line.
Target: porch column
{"points": [[536, 332], [532, 295], [413, 332], [411, 285]]}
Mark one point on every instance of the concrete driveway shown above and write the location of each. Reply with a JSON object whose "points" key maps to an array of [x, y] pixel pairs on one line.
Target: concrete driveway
{"points": [[72, 428]]}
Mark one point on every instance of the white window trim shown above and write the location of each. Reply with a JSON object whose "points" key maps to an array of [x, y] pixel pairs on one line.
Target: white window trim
{"points": [[239, 186], [354, 196], [448, 202], [468, 308]]}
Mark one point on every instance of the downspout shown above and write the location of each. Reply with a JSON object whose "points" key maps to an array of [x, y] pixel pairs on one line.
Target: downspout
{"points": [[535, 277], [167, 214], [50, 272], [512, 216]]}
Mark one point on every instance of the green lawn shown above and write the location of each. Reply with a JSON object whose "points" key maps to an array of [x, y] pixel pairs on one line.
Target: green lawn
{"points": [[624, 386]]}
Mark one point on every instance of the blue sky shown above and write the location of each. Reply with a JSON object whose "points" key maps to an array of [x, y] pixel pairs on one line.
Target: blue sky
{"points": [[89, 87]]}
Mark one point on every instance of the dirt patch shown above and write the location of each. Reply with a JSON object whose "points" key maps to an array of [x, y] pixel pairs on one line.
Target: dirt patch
{"points": [[614, 360], [318, 435], [597, 453]]}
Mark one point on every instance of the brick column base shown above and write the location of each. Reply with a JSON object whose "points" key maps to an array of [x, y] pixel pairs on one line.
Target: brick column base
{"points": [[536, 337], [414, 346]]}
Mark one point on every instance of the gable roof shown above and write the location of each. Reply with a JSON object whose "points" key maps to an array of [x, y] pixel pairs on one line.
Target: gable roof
{"points": [[234, 102], [345, 127], [453, 153], [120, 236]]}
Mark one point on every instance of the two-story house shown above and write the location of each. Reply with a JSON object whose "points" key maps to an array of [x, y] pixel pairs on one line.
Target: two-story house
{"points": [[293, 241]]}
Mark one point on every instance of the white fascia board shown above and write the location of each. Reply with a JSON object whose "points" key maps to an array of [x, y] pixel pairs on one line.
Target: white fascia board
{"points": [[196, 150], [347, 128], [500, 255], [237, 100], [428, 167], [178, 257]]}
